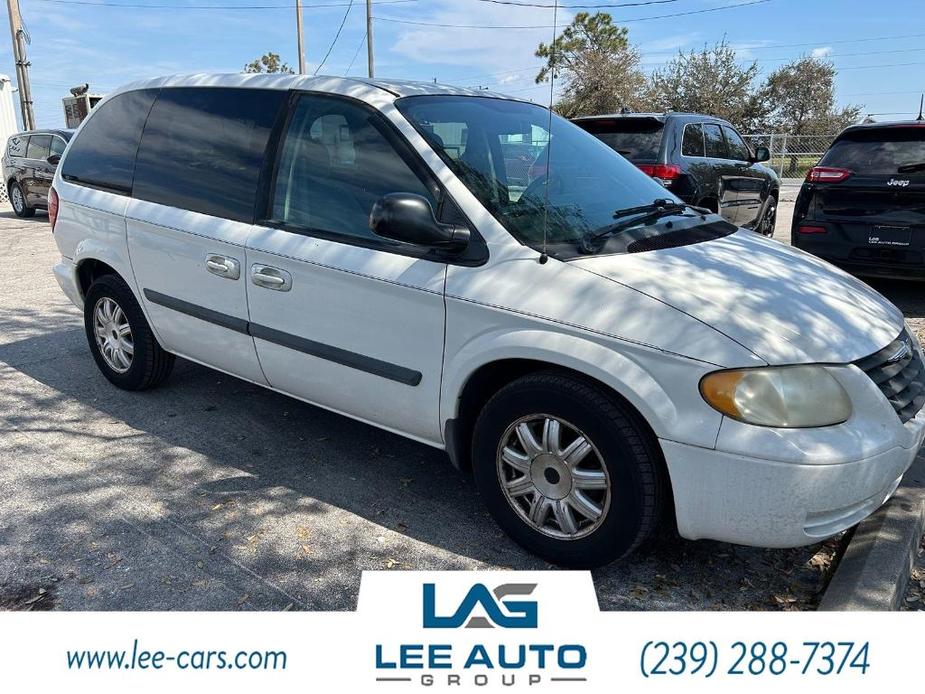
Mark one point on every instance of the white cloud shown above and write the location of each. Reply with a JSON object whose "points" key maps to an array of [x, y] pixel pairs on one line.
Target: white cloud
{"points": [[821, 51]]}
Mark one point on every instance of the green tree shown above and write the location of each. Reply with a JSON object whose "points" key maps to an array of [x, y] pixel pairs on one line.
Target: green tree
{"points": [[599, 67], [708, 81], [801, 96], [270, 63]]}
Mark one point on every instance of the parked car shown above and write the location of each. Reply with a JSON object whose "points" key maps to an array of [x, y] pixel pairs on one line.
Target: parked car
{"points": [[863, 206], [29, 163], [591, 347], [701, 159]]}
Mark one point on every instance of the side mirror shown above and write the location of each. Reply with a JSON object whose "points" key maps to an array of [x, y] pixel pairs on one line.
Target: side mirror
{"points": [[762, 154], [54, 159], [409, 218]]}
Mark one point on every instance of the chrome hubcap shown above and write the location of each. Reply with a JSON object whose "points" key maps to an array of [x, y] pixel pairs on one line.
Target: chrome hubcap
{"points": [[113, 335], [553, 476], [18, 201]]}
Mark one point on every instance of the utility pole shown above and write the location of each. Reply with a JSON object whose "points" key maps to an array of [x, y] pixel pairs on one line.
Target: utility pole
{"points": [[298, 24], [22, 65], [369, 38]]}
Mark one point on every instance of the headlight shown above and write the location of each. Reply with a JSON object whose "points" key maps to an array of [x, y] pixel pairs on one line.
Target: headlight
{"points": [[778, 396]]}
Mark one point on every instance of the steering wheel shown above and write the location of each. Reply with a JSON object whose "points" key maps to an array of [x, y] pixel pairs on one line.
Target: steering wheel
{"points": [[537, 186]]}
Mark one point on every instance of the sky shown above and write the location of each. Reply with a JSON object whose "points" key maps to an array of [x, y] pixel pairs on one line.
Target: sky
{"points": [[877, 47]]}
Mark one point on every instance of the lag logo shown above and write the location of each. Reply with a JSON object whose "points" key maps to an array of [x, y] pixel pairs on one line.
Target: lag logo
{"points": [[508, 614]]}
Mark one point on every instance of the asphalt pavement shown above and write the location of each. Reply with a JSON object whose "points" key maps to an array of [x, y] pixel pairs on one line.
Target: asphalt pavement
{"points": [[210, 493]]}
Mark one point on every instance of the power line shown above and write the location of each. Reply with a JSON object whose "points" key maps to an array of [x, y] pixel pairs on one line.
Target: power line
{"points": [[599, 6], [549, 26], [336, 36], [164, 6], [355, 54]]}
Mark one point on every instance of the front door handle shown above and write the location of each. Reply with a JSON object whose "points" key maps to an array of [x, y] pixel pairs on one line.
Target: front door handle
{"points": [[223, 266], [271, 278]]}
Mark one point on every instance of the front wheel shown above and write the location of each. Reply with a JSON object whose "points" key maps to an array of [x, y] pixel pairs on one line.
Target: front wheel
{"points": [[768, 218], [567, 470]]}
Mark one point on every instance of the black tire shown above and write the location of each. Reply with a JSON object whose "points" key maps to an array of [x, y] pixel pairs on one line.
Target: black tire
{"points": [[627, 449], [150, 363], [21, 210], [768, 217]]}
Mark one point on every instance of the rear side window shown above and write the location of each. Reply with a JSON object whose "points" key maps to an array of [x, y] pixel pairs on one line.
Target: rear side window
{"points": [[714, 142], [38, 147], [103, 154], [692, 142], [203, 149], [57, 146], [16, 146], [737, 148], [637, 140], [894, 151]]}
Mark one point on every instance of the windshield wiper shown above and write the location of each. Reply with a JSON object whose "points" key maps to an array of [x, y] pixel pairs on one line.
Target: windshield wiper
{"points": [[643, 214], [910, 168]]}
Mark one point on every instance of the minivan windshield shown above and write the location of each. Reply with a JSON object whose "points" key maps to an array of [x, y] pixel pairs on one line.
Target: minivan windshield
{"points": [[895, 150], [498, 148]]}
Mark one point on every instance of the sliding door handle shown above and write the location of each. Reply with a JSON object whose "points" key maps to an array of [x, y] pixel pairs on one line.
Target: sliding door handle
{"points": [[223, 266], [270, 277]]}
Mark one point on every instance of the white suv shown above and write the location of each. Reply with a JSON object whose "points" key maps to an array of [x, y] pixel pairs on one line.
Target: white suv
{"points": [[430, 261]]}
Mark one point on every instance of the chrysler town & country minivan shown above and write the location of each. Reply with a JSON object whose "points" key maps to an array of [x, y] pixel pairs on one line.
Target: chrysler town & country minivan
{"points": [[593, 349]]}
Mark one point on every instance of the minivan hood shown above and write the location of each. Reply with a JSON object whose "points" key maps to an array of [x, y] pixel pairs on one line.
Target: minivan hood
{"points": [[785, 306]]}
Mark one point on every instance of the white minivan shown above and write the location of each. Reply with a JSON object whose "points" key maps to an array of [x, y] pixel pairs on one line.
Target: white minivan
{"points": [[468, 271]]}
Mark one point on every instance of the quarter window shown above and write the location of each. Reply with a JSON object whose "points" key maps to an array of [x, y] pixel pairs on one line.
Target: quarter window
{"points": [[737, 148], [57, 146], [692, 142], [38, 147], [336, 161], [203, 149], [713, 141], [17, 146], [103, 154]]}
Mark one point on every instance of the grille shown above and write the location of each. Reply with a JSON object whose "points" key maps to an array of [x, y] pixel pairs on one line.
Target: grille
{"points": [[898, 371]]}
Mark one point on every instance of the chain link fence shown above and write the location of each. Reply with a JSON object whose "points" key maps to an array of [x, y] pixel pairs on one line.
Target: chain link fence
{"points": [[792, 155]]}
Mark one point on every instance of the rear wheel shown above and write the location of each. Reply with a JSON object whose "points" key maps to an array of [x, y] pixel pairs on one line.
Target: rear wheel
{"points": [[122, 343], [567, 470], [18, 201]]}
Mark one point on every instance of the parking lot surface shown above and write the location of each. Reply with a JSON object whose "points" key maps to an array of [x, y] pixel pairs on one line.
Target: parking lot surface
{"points": [[210, 493]]}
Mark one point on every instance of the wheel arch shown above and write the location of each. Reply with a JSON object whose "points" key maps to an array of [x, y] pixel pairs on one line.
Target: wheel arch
{"points": [[619, 376]]}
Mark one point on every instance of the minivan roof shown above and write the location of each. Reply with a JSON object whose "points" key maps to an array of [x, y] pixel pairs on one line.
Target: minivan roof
{"points": [[660, 117], [360, 88]]}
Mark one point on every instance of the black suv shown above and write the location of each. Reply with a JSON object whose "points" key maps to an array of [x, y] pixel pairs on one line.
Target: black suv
{"points": [[29, 164], [863, 206], [701, 159]]}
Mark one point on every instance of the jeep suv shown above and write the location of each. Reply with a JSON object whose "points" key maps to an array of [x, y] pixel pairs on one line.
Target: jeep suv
{"points": [[701, 159], [863, 206]]}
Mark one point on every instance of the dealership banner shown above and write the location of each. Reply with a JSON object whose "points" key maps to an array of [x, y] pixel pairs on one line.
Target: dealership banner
{"points": [[456, 632]]}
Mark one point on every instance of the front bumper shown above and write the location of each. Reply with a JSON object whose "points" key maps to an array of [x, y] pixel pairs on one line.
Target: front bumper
{"points": [[771, 503], [66, 273]]}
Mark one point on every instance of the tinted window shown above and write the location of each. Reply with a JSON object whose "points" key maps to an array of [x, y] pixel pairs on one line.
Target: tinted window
{"points": [[637, 140], [737, 147], [713, 140], [203, 149], [57, 146], [692, 143], [334, 165], [16, 145], [103, 154], [900, 150], [38, 147]]}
